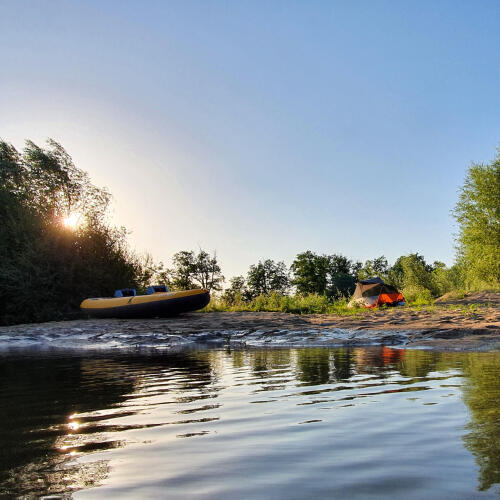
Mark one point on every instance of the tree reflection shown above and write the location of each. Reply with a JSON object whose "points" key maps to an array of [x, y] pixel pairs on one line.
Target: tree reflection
{"points": [[417, 364], [313, 365], [344, 364], [317, 366], [481, 393], [38, 395], [482, 396], [263, 361]]}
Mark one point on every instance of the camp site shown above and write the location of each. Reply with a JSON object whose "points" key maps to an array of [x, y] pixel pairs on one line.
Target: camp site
{"points": [[250, 250]]}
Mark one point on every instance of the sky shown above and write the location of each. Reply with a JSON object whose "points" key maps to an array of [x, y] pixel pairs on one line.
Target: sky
{"points": [[261, 129]]}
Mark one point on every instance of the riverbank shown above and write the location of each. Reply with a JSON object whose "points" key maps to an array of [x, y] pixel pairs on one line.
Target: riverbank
{"points": [[461, 325]]}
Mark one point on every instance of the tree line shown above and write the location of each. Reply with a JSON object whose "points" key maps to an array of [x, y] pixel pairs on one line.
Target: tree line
{"points": [[335, 277], [46, 269], [477, 265]]}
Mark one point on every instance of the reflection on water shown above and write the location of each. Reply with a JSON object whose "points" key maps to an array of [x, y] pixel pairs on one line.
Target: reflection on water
{"points": [[280, 423]]}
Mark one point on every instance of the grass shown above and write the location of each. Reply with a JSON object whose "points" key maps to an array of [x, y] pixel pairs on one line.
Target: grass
{"points": [[308, 304], [319, 304]]}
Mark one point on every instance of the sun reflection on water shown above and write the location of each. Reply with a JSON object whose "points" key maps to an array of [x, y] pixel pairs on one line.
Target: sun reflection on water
{"points": [[198, 400]]}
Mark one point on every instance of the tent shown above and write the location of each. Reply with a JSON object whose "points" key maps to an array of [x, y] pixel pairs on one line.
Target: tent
{"points": [[374, 292]]}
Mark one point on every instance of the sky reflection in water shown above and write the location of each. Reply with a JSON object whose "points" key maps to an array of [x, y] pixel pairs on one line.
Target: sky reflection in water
{"points": [[278, 423]]}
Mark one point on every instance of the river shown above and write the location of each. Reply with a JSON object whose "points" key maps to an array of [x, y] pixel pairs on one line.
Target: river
{"points": [[282, 423]]}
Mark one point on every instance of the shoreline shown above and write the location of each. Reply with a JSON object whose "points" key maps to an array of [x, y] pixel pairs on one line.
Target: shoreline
{"points": [[437, 328]]}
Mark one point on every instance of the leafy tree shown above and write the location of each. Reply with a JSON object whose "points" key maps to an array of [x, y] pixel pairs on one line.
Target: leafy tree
{"points": [[196, 270], [267, 276], [445, 279], [415, 277], [342, 274], [151, 272], [237, 290], [46, 269], [208, 272], [376, 267], [331, 275], [184, 270], [310, 273], [411, 270], [478, 215], [13, 176]]}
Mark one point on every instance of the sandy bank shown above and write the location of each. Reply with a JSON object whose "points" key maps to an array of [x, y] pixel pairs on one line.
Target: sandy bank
{"points": [[448, 327]]}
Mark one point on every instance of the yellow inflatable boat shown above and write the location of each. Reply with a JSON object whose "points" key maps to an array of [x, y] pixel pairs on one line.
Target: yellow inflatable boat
{"points": [[158, 302]]}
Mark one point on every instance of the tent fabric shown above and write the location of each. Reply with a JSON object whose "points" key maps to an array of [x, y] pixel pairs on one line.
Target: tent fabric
{"points": [[374, 292], [371, 281]]}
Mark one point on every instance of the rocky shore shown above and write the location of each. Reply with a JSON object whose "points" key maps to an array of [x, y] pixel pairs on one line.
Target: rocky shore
{"points": [[450, 326]]}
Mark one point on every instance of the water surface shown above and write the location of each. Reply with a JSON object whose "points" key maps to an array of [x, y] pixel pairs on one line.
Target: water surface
{"points": [[370, 422]]}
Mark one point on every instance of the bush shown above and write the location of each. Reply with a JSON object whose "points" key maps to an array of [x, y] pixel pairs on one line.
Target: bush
{"points": [[478, 215], [417, 295], [46, 269], [275, 302]]}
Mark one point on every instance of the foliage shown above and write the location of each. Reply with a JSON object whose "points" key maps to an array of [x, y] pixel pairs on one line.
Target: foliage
{"points": [[276, 302], [417, 295], [446, 279], [208, 272], [310, 273], [342, 276], [183, 272], [46, 269], [330, 275], [376, 267], [267, 276], [151, 272], [237, 291], [478, 215], [421, 281], [40, 187], [411, 270], [192, 270]]}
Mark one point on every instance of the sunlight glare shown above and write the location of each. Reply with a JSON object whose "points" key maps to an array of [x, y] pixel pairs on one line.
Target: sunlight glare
{"points": [[72, 221]]}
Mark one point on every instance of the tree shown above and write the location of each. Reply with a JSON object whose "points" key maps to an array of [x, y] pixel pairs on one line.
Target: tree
{"points": [[478, 215], [184, 270], [310, 273], [237, 290], [208, 272], [411, 270], [266, 277], [446, 278], [342, 276], [331, 275], [38, 255], [376, 267], [151, 273], [196, 270], [415, 277]]}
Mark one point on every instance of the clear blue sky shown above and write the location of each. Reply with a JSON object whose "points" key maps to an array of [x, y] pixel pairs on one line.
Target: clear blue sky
{"points": [[260, 128]]}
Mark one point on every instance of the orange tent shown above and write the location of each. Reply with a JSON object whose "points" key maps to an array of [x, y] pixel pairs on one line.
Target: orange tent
{"points": [[374, 292]]}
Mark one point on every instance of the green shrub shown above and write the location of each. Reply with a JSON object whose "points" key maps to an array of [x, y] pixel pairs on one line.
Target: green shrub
{"points": [[417, 295], [46, 268]]}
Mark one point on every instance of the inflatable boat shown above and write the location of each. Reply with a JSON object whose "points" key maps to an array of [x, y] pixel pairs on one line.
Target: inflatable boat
{"points": [[158, 302]]}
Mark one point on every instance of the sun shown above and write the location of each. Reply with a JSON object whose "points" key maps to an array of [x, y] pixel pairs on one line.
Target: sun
{"points": [[72, 221]]}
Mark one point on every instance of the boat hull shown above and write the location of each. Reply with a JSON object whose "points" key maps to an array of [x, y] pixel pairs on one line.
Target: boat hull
{"points": [[157, 305]]}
